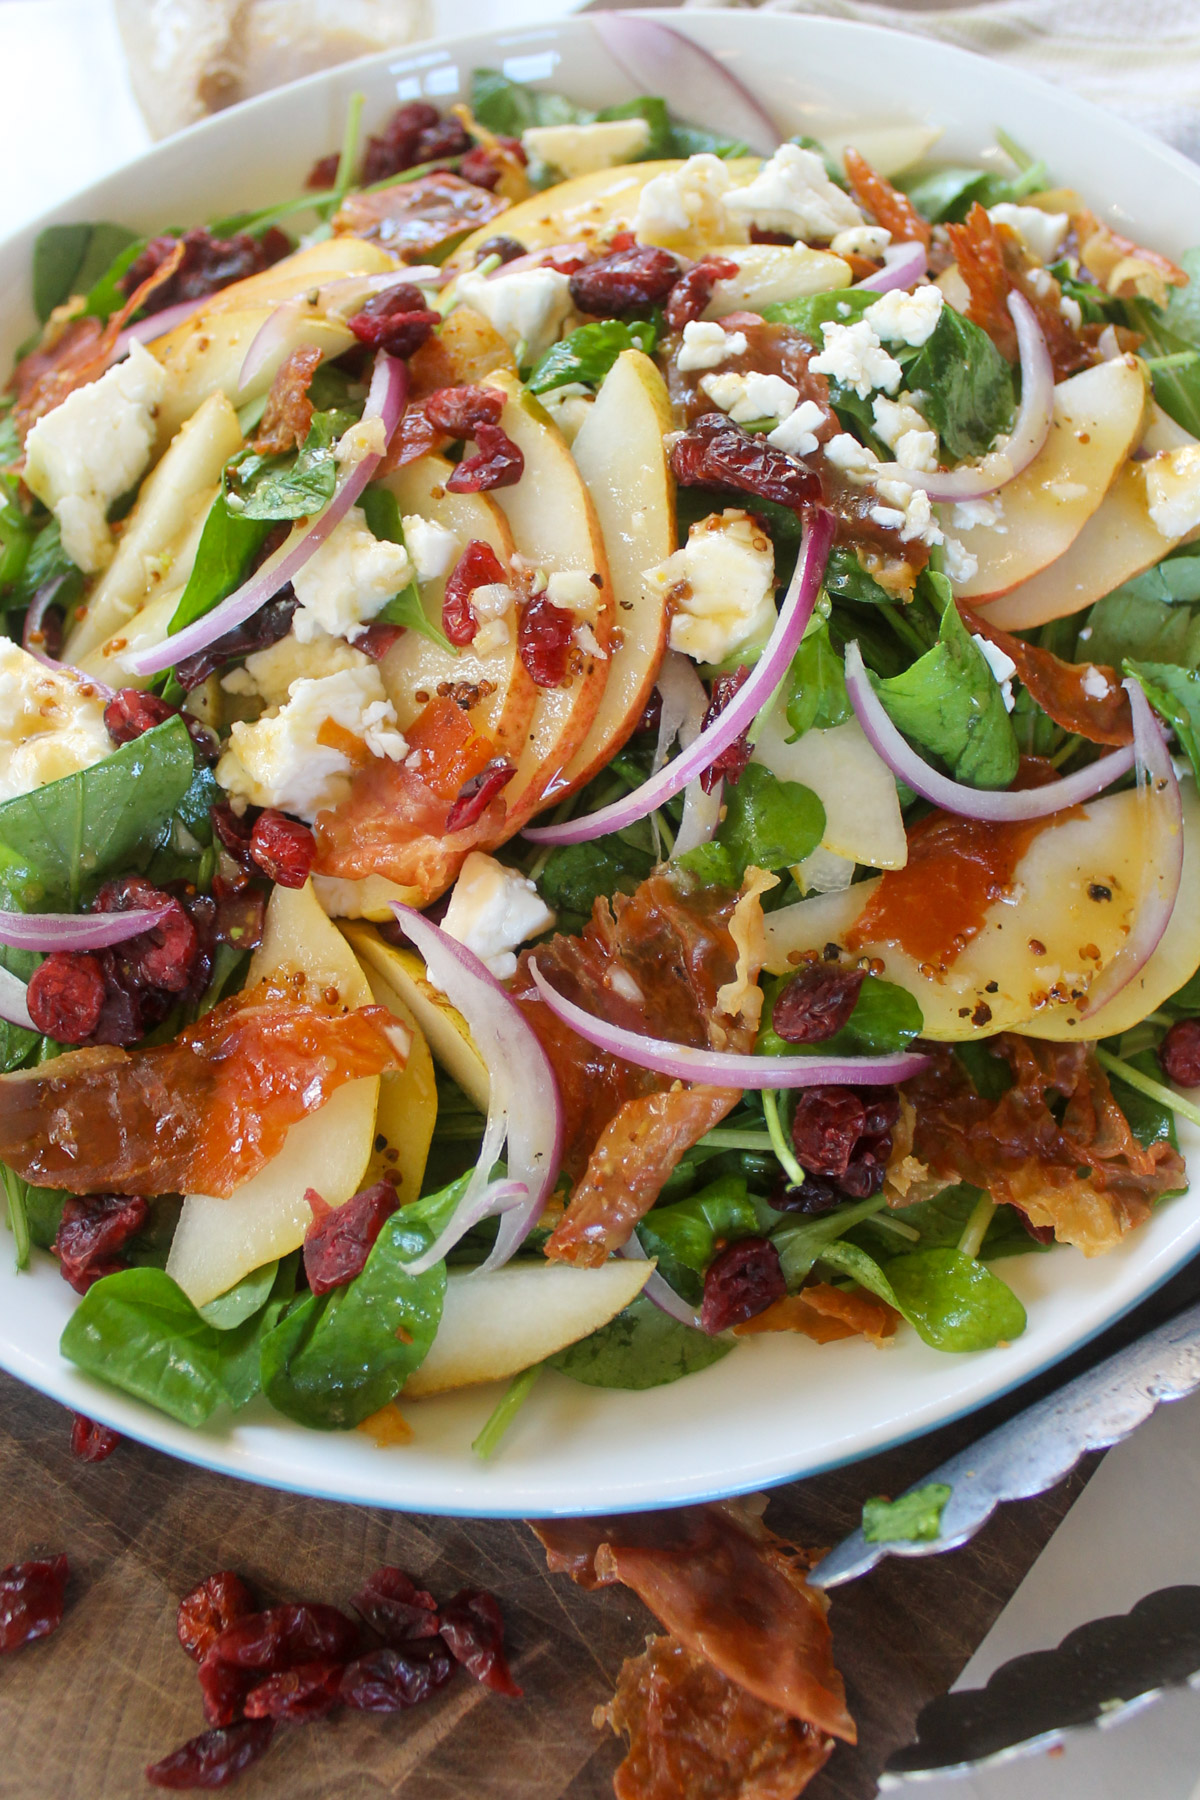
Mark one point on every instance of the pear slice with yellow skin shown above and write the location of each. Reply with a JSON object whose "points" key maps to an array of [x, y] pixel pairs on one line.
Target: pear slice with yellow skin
{"points": [[402, 974], [408, 1105]]}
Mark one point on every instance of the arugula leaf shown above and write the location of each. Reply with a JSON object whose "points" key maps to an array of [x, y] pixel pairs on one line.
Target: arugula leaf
{"points": [[588, 354], [99, 821], [577, 874], [950, 703], [962, 384], [68, 259], [684, 1236], [953, 1302], [915, 1518], [228, 545], [1172, 351], [1174, 693], [641, 1348], [768, 822], [510, 107], [382, 513], [817, 699]]}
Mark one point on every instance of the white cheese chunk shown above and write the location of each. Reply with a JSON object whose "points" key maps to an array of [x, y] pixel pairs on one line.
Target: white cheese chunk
{"points": [[1096, 685], [796, 434], [93, 448], [433, 549], [296, 757], [901, 318], [792, 192], [706, 345], [751, 396], [348, 579], [1041, 233], [688, 201], [960, 564], [494, 909], [268, 674], [528, 308], [1000, 663], [852, 458], [581, 149], [1173, 489], [861, 240], [722, 586], [575, 591], [493, 604], [51, 722], [904, 430], [854, 355]]}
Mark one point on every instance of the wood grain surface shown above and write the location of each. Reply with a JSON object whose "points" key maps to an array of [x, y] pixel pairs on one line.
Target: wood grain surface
{"points": [[83, 1712]]}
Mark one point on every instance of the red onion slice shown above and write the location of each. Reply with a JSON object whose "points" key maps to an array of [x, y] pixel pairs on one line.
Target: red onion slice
{"points": [[389, 391], [657, 59], [1031, 427], [524, 1105], [155, 326], [1162, 812], [954, 796], [903, 264], [35, 616], [725, 1068], [496, 1197], [751, 697], [74, 931], [349, 289], [658, 1288], [13, 1005]]}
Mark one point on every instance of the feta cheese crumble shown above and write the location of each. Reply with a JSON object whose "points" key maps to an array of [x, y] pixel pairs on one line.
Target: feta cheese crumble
{"points": [[1000, 663], [968, 514], [854, 355], [528, 308], [51, 722], [722, 585], [493, 605], [688, 200], [861, 240], [751, 396], [792, 192], [959, 563], [905, 431], [433, 549], [797, 433], [900, 318], [1041, 233], [582, 149], [300, 757], [268, 674], [492, 910], [93, 448], [1173, 489], [1095, 685], [706, 345], [575, 591], [348, 579]]}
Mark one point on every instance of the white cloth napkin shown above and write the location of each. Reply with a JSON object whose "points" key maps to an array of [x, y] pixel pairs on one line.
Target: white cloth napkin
{"points": [[1138, 58]]}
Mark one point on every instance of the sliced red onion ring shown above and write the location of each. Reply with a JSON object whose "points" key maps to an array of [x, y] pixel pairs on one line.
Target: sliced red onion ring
{"points": [[74, 931], [954, 796], [389, 391], [348, 290], [725, 1068], [694, 83], [658, 1288], [35, 615], [1031, 427], [157, 325], [903, 264], [13, 1005], [749, 700], [496, 1197], [524, 1105], [1163, 816]]}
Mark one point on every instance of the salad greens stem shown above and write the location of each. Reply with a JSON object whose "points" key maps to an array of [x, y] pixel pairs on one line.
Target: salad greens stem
{"points": [[737, 1140], [1178, 359], [779, 1143], [971, 1241], [348, 159], [903, 629], [514, 1398], [897, 1227], [1145, 1084], [1066, 750], [15, 1191], [1013, 150]]}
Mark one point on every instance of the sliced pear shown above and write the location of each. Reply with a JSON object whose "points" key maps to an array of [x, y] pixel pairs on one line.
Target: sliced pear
{"points": [[1053, 938], [408, 1105], [148, 628], [863, 822], [619, 452], [768, 273], [890, 149], [218, 1241], [402, 974], [1097, 419], [496, 1324], [342, 897], [174, 499], [1119, 541], [415, 667]]}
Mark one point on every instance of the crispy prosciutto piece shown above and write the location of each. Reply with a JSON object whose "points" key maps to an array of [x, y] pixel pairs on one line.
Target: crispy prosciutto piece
{"points": [[416, 219], [1063, 689], [1083, 1174], [892, 209], [725, 1588], [693, 1731], [1123, 267], [289, 410], [826, 1314], [992, 263], [198, 1115]]}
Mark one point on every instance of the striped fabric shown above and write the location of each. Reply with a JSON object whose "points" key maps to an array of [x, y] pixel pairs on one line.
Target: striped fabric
{"points": [[1138, 58]]}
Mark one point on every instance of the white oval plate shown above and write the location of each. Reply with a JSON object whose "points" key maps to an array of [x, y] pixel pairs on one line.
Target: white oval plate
{"points": [[777, 1407]]}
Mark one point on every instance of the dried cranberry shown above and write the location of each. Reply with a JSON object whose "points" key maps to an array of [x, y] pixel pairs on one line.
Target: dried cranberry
{"points": [[651, 717], [306, 1692], [716, 454], [215, 1757], [209, 1608], [130, 713], [31, 1600], [223, 1689], [498, 463], [283, 1636], [378, 639], [816, 1003], [208, 264], [458, 411], [544, 641], [473, 1629], [388, 1680], [506, 248], [867, 1167], [397, 321], [1179, 1053], [283, 848], [65, 996], [478, 566], [484, 165], [826, 1125], [690, 296], [340, 1238], [162, 957], [323, 173], [882, 1109], [731, 761], [393, 1605], [398, 145], [759, 234], [233, 832], [91, 1442], [240, 918], [92, 1230], [625, 281], [447, 137], [813, 1196], [263, 628], [744, 1279], [476, 795]]}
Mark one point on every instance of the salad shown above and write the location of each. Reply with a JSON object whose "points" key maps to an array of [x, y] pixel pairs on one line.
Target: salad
{"points": [[598, 758]]}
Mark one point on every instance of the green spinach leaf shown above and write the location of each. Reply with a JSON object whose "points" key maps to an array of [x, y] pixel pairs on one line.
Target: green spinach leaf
{"points": [[68, 259], [577, 874], [382, 514], [769, 823], [886, 1018], [47, 561], [846, 579], [954, 1303], [914, 1518], [1174, 693], [1175, 579], [838, 306], [962, 384], [588, 354], [292, 487], [242, 1301], [1124, 626], [511, 107], [951, 704], [641, 1348], [684, 1236], [228, 545], [816, 697]]}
